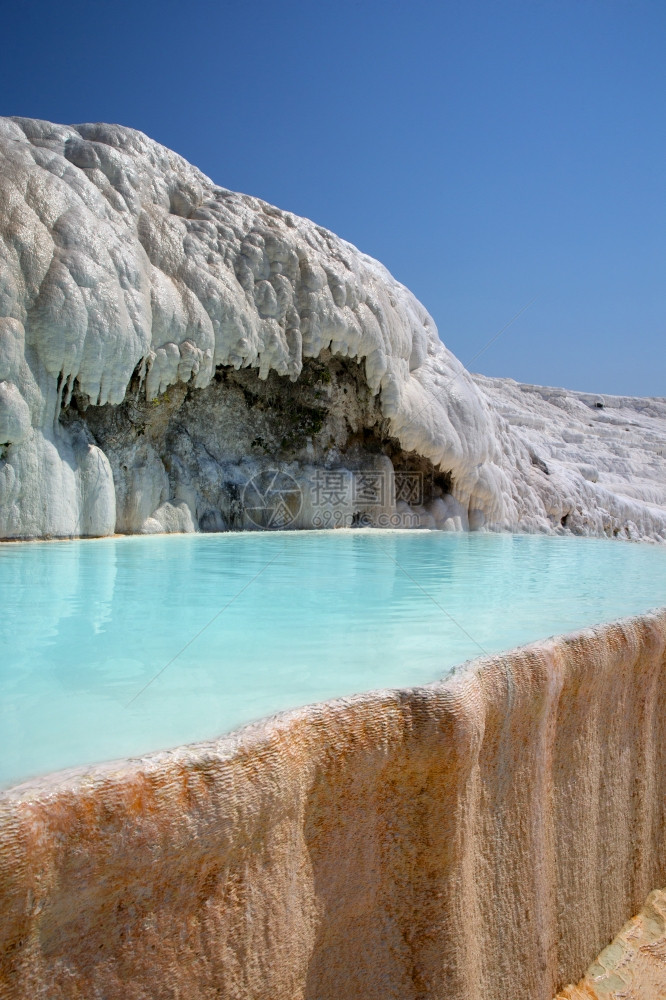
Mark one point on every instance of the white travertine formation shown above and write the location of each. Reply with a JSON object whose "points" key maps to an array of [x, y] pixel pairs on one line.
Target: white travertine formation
{"points": [[122, 263], [599, 461]]}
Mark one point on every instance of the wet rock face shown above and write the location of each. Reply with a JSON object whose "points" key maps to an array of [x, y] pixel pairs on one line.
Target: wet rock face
{"points": [[128, 279], [480, 838]]}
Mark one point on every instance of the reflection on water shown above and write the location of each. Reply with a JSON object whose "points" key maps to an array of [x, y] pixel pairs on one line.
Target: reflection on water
{"points": [[262, 622]]}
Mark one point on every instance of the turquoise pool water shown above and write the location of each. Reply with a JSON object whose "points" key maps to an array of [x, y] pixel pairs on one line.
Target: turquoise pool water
{"points": [[120, 646]]}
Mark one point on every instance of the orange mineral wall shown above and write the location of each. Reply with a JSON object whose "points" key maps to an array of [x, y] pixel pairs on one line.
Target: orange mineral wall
{"points": [[482, 838]]}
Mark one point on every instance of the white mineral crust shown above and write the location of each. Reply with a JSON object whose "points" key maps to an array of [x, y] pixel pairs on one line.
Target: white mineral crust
{"points": [[117, 257]]}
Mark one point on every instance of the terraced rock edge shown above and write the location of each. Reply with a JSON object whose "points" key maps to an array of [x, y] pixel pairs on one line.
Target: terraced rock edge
{"points": [[634, 964], [478, 838]]}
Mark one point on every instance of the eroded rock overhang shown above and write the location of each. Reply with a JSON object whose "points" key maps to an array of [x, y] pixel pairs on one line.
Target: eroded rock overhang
{"points": [[130, 281], [125, 267]]}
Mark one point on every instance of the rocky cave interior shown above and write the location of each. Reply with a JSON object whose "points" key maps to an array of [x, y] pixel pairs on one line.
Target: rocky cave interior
{"points": [[199, 446]]}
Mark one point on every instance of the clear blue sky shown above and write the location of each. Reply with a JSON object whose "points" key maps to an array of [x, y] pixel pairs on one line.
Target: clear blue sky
{"points": [[487, 151]]}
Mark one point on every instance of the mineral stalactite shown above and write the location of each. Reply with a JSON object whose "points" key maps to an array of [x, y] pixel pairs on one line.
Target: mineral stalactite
{"points": [[163, 340]]}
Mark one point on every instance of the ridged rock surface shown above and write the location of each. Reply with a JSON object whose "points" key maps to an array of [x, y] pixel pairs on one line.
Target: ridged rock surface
{"points": [[633, 967], [477, 839], [164, 340]]}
